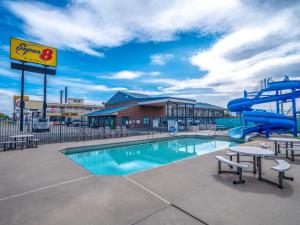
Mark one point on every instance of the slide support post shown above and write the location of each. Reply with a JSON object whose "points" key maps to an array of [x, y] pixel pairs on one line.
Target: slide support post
{"points": [[294, 113], [277, 103]]}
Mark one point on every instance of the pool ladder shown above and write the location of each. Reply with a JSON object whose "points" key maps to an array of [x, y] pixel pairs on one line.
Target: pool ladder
{"points": [[150, 135], [213, 131]]}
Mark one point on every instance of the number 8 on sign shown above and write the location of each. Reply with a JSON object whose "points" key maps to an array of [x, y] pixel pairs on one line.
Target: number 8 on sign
{"points": [[46, 54]]}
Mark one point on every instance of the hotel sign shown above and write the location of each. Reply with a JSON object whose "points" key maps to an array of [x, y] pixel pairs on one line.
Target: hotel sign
{"points": [[17, 97], [31, 52]]}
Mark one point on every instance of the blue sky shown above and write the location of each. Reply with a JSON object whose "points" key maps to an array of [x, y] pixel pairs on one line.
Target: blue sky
{"points": [[193, 49]]}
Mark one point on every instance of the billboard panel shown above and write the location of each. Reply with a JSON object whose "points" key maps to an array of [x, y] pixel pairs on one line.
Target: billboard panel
{"points": [[31, 52]]}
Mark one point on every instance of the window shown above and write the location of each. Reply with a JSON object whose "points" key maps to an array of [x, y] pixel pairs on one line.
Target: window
{"points": [[146, 120]]}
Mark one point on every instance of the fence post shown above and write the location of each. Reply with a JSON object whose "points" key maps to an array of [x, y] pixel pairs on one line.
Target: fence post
{"points": [[60, 132]]}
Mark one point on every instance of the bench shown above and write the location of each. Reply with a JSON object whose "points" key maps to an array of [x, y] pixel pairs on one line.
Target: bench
{"points": [[281, 167], [232, 154], [7, 145], [295, 148], [239, 167], [33, 142]]}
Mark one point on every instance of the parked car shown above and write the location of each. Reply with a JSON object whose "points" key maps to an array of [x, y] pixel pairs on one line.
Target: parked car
{"points": [[76, 123], [42, 125], [68, 122]]}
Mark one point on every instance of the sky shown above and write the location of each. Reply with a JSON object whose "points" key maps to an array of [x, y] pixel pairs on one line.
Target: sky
{"points": [[205, 50]]}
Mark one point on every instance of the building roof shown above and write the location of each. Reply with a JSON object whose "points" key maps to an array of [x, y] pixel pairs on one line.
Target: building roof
{"points": [[109, 111], [123, 96], [142, 99], [150, 98], [135, 95], [165, 100], [203, 105]]}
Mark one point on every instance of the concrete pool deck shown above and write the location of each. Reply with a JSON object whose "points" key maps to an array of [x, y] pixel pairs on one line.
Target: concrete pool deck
{"points": [[42, 186]]}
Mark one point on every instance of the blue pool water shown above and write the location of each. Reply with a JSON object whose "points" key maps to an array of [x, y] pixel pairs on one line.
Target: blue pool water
{"points": [[133, 158]]}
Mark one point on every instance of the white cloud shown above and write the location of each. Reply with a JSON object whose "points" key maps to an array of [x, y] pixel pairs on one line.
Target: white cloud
{"points": [[261, 44], [78, 85], [242, 58], [129, 75], [161, 59], [259, 38], [82, 86], [106, 89], [126, 75], [7, 100], [87, 25], [153, 74]]}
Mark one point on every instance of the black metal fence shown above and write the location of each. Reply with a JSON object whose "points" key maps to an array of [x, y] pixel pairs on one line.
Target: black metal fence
{"points": [[61, 131]]}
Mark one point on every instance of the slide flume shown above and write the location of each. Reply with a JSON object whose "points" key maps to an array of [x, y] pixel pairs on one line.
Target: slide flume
{"points": [[264, 121]]}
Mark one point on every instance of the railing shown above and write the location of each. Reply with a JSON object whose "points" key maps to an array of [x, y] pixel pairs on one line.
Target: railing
{"points": [[60, 131], [263, 84]]}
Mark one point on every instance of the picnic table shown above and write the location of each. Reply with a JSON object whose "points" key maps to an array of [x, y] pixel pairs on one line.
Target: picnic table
{"points": [[288, 141], [23, 138], [255, 152]]}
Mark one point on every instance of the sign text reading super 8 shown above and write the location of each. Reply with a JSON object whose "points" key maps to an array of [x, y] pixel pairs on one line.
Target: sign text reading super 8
{"points": [[30, 52]]}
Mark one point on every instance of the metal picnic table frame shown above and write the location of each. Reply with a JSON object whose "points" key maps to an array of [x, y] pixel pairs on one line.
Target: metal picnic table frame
{"points": [[256, 153], [22, 136], [287, 141]]}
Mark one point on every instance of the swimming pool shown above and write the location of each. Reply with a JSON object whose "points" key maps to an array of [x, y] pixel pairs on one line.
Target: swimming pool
{"points": [[129, 158]]}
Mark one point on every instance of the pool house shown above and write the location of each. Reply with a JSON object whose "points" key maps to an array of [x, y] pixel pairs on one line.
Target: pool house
{"points": [[140, 111]]}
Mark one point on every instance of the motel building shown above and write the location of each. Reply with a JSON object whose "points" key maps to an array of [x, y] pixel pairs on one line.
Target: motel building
{"points": [[72, 109], [135, 110]]}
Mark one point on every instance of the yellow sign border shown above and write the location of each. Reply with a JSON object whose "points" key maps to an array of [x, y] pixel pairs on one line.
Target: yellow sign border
{"points": [[43, 46]]}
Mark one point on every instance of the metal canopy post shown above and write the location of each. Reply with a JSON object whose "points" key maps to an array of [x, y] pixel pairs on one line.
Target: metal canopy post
{"points": [[167, 111], [185, 118], [22, 103], [193, 115], [177, 112]]}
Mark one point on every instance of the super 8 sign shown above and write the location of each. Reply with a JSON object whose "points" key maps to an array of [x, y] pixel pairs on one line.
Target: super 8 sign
{"points": [[31, 52]]}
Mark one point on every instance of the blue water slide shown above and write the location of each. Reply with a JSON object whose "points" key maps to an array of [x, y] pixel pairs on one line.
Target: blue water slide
{"points": [[265, 121], [283, 85], [240, 132], [244, 104], [278, 120]]}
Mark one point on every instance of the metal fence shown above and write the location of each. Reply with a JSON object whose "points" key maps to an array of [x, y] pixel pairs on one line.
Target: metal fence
{"points": [[61, 131]]}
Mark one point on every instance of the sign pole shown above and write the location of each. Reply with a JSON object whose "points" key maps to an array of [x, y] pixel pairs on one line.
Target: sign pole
{"points": [[22, 99], [45, 94], [37, 54]]}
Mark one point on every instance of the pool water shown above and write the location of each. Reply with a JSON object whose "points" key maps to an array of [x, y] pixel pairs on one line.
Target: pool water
{"points": [[136, 157]]}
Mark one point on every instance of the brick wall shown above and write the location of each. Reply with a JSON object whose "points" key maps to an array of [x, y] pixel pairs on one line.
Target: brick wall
{"points": [[143, 111]]}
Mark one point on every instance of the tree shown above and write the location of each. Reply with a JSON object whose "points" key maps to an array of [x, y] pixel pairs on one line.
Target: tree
{"points": [[3, 116]]}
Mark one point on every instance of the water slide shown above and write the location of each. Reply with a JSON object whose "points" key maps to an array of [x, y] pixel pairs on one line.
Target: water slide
{"points": [[265, 121]]}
